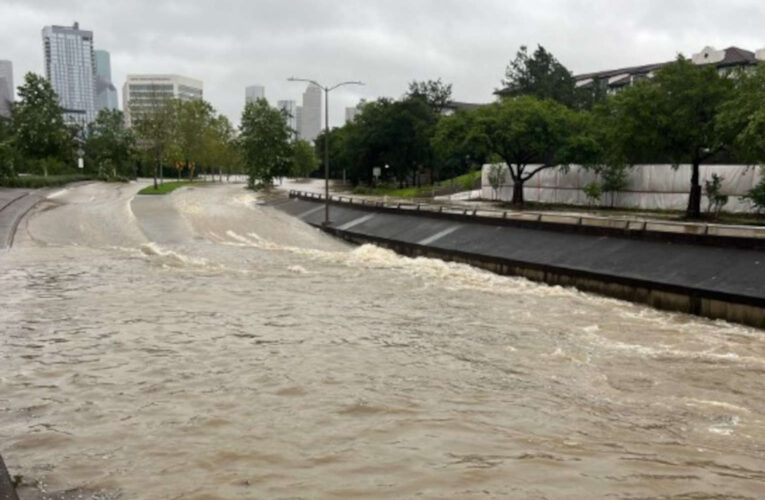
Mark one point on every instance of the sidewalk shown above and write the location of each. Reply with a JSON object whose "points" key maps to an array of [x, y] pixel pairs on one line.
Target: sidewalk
{"points": [[464, 205]]}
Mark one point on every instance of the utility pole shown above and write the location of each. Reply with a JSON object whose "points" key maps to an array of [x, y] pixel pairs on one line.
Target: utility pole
{"points": [[326, 90]]}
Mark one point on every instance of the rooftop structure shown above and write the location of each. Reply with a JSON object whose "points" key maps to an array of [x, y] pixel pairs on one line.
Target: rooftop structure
{"points": [[724, 60]]}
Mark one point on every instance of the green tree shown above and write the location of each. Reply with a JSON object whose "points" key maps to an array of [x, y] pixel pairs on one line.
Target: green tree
{"points": [[531, 135], [110, 147], [265, 139], [741, 121], [304, 160], [434, 92], [194, 139], [674, 114], [458, 144], [8, 154], [155, 129], [41, 137], [539, 75]]}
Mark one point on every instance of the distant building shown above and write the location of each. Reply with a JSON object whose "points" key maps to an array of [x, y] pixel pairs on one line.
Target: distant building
{"points": [[290, 109], [452, 107], [69, 68], [106, 92], [144, 93], [724, 61], [615, 80], [350, 114], [6, 88], [311, 115], [299, 121], [254, 92]]}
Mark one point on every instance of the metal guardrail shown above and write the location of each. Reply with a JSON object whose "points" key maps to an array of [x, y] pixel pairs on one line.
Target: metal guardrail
{"points": [[617, 223]]}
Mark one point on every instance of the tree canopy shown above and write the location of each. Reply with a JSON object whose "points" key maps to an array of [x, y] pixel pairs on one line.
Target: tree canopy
{"points": [[265, 139], [540, 75], [674, 114], [110, 147], [38, 125], [530, 135], [434, 92]]}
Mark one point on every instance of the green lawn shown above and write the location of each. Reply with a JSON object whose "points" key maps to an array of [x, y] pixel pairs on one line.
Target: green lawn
{"points": [[167, 187], [462, 183]]}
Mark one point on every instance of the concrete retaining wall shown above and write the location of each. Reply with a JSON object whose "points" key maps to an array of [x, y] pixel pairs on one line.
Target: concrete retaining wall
{"points": [[698, 274], [651, 187]]}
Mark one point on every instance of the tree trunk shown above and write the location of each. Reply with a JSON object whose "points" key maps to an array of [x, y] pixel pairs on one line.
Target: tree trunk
{"points": [[517, 193], [694, 198]]}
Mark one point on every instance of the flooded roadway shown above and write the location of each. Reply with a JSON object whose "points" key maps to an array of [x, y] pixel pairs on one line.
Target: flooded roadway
{"points": [[200, 345]]}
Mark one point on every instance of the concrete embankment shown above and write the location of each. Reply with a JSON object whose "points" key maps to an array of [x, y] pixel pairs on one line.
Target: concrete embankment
{"points": [[709, 271]]}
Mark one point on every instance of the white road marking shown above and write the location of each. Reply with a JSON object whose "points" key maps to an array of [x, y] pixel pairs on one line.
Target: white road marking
{"points": [[439, 235], [356, 222], [309, 212]]}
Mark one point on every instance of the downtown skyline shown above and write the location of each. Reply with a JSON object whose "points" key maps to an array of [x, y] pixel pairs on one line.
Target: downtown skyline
{"points": [[383, 44]]}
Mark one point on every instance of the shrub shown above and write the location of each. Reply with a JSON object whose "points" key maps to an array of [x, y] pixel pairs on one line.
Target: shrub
{"points": [[713, 192]]}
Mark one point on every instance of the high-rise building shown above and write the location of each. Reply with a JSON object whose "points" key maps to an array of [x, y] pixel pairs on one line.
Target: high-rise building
{"points": [[290, 109], [350, 114], [69, 68], [145, 93], [254, 92], [6, 88], [106, 92], [299, 121], [311, 117]]}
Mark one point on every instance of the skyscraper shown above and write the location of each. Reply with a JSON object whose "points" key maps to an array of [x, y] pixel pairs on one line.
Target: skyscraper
{"points": [[69, 68], [6, 88], [254, 92], [144, 93], [291, 110], [106, 92], [299, 121], [350, 114], [311, 117]]}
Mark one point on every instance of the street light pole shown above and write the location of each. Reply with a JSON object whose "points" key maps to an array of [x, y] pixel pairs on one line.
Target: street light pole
{"points": [[326, 90]]}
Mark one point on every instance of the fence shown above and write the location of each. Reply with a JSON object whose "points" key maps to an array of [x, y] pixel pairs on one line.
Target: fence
{"points": [[656, 187]]}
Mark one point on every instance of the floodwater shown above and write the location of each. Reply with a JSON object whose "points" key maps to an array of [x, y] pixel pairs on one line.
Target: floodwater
{"points": [[202, 345]]}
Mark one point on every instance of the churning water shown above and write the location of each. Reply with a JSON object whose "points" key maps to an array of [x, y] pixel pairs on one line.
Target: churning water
{"points": [[200, 345]]}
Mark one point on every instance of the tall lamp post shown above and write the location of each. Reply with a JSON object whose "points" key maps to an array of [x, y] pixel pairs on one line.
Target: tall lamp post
{"points": [[326, 90]]}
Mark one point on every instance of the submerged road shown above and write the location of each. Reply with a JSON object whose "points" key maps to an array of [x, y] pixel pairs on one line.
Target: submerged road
{"points": [[204, 345]]}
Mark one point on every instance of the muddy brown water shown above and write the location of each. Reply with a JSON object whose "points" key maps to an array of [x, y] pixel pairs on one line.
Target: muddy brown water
{"points": [[201, 345]]}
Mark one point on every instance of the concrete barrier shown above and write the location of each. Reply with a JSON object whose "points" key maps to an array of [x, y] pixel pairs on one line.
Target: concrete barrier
{"points": [[681, 271]]}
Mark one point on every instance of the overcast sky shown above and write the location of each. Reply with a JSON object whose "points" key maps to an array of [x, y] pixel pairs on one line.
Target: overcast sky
{"points": [[229, 44]]}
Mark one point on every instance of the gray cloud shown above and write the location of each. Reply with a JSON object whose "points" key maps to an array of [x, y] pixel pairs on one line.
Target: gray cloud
{"points": [[230, 44]]}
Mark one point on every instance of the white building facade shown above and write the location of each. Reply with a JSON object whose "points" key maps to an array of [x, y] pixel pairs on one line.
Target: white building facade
{"points": [[69, 68], [311, 114], [6, 88], [143, 94]]}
